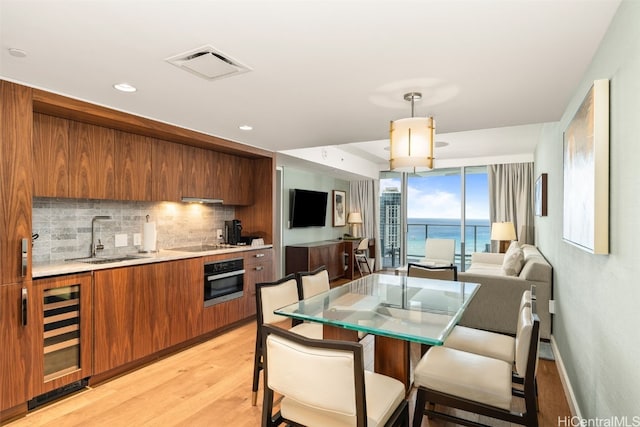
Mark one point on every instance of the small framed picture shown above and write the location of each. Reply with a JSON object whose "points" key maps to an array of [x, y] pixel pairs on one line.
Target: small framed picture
{"points": [[541, 195], [339, 208]]}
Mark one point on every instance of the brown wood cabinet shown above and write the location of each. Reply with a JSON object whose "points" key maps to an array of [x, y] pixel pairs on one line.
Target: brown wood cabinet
{"points": [[62, 344], [258, 218], [16, 182], [309, 256], [258, 267], [132, 164], [144, 309], [15, 346], [167, 171], [113, 307], [199, 173], [91, 161], [234, 176], [219, 316], [50, 156], [16, 191]]}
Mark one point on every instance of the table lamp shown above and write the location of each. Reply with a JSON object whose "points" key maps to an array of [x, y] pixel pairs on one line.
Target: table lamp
{"points": [[354, 219], [505, 232]]}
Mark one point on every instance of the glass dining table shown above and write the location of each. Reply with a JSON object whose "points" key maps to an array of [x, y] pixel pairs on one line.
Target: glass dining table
{"points": [[397, 310]]}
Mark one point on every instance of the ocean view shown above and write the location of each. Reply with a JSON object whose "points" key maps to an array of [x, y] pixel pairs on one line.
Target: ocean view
{"points": [[477, 234]]}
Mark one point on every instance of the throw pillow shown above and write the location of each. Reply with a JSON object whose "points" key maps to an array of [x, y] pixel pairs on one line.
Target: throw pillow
{"points": [[513, 247], [513, 262]]}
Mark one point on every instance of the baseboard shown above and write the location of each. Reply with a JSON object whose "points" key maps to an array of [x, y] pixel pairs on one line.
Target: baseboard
{"points": [[566, 384]]}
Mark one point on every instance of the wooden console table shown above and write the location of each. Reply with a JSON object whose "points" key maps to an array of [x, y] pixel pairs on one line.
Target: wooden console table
{"points": [[309, 256], [336, 255]]}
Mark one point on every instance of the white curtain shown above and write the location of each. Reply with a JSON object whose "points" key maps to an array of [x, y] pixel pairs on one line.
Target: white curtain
{"points": [[363, 198], [511, 188]]}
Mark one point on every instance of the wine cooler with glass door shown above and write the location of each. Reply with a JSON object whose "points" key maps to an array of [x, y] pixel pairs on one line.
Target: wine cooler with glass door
{"points": [[62, 341]]}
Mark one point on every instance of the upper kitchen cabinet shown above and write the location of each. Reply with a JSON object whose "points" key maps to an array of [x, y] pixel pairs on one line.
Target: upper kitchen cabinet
{"points": [[50, 156], [91, 161], [200, 167], [133, 166], [183, 162], [16, 183], [234, 175], [167, 171]]}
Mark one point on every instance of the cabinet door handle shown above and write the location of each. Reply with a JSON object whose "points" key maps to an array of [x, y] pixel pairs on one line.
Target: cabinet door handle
{"points": [[259, 268], [24, 306], [259, 255], [25, 257]]}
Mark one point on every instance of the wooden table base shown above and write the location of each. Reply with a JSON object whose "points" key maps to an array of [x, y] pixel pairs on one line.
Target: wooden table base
{"points": [[392, 356]]}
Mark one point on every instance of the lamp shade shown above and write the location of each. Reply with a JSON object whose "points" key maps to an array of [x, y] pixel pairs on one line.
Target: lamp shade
{"points": [[412, 144], [354, 218], [503, 231]]}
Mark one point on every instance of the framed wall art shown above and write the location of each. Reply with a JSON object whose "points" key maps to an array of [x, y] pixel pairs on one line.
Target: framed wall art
{"points": [[540, 202], [585, 222], [339, 208]]}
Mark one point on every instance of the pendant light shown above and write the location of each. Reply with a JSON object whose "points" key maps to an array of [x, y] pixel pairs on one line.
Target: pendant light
{"points": [[412, 141]]}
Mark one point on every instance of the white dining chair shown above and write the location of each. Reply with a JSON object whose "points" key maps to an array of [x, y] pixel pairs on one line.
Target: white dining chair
{"points": [[324, 383], [451, 378], [269, 297]]}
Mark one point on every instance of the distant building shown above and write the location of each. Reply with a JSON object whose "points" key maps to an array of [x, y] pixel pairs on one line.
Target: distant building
{"points": [[390, 226]]}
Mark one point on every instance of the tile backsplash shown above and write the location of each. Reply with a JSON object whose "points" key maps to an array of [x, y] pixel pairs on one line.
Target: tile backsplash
{"points": [[64, 225]]}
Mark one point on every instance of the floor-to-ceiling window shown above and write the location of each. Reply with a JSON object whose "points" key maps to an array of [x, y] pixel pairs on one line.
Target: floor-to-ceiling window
{"points": [[435, 204], [433, 210]]}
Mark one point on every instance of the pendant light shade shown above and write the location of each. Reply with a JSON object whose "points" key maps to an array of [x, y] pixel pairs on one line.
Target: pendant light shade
{"points": [[412, 141]]}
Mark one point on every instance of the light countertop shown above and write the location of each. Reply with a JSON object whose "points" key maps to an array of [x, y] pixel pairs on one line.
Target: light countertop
{"points": [[71, 267]]}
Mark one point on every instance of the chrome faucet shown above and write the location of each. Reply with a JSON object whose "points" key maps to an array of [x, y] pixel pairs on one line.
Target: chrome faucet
{"points": [[99, 246]]}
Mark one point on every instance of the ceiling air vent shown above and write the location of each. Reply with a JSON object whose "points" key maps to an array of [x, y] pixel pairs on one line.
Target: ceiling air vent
{"points": [[208, 63]]}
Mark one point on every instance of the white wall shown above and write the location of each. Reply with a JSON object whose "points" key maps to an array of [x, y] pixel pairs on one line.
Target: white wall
{"points": [[597, 296]]}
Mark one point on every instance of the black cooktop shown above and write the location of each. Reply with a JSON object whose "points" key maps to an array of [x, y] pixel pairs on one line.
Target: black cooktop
{"points": [[203, 248]]}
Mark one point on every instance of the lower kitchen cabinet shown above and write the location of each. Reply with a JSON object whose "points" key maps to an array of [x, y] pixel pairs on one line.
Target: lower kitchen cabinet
{"points": [[144, 309], [220, 315], [15, 346], [62, 342], [258, 268]]}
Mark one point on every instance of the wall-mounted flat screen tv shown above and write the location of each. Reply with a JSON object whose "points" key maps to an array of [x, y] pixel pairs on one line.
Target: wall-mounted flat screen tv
{"points": [[308, 208]]}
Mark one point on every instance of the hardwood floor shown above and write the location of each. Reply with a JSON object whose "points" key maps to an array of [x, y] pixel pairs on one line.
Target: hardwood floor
{"points": [[210, 385]]}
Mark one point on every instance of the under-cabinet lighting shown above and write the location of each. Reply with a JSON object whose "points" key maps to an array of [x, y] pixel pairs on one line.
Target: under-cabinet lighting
{"points": [[201, 200]]}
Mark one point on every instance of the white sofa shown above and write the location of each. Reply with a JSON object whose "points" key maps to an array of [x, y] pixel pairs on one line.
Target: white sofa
{"points": [[495, 306]]}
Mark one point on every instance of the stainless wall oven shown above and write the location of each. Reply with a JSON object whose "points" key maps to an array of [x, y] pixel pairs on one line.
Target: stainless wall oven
{"points": [[223, 281]]}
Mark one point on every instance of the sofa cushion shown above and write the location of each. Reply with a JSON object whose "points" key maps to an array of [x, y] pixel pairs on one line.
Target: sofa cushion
{"points": [[485, 269], [513, 260]]}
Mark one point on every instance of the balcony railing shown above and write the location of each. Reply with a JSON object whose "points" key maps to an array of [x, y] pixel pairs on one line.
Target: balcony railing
{"points": [[476, 240]]}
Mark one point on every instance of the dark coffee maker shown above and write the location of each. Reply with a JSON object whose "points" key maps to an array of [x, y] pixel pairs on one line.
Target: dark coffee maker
{"points": [[233, 231]]}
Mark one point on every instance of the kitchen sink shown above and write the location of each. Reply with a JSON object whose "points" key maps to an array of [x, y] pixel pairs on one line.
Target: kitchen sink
{"points": [[107, 260]]}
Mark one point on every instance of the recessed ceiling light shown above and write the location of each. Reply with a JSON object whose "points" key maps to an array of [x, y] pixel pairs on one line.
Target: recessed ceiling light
{"points": [[245, 127], [18, 53], [124, 87]]}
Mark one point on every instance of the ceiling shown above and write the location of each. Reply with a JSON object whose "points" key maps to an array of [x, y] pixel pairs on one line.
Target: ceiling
{"points": [[321, 73]]}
